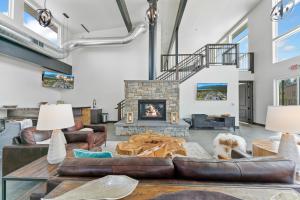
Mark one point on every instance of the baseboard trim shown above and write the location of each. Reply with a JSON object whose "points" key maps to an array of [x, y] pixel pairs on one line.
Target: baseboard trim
{"points": [[259, 124], [111, 121]]}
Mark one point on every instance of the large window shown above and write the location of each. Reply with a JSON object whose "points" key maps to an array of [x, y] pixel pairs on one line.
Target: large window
{"points": [[30, 21], [241, 37], [4, 6], [286, 35], [287, 91]]}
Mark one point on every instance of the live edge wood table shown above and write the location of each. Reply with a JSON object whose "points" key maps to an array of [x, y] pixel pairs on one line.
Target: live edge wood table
{"points": [[38, 170]]}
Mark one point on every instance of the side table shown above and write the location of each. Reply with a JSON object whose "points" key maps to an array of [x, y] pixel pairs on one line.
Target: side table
{"points": [[38, 170]]}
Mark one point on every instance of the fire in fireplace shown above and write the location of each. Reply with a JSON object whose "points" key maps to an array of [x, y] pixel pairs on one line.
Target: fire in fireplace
{"points": [[152, 110]]}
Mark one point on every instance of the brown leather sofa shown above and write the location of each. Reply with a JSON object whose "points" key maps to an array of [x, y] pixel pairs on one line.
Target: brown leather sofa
{"points": [[179, 170], [25, 148]]}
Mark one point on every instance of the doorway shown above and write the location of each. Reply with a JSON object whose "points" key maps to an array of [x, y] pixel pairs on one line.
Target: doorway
{"points": [[246, 101]]}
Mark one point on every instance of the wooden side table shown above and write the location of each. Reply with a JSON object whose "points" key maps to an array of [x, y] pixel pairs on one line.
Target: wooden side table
{"points": [[38, 170], [265, 147]]}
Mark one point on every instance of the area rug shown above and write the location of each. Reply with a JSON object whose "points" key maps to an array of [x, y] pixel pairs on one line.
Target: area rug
{"points": [[193, 150]]}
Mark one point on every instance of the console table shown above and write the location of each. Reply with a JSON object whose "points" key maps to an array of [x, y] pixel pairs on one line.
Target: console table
{"points": [[38, 170], [205, 121]]}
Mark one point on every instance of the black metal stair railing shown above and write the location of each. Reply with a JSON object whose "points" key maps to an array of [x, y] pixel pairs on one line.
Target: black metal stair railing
{"points": [[120, 108], [190, 64]]}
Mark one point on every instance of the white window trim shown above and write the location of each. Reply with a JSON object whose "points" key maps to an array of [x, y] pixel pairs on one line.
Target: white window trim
{"points": [[9, 10], [230, 35]]}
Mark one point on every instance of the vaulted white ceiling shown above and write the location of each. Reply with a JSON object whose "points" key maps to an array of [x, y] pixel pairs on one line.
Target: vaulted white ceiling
{"points": [[95, 14], [206, 20]]}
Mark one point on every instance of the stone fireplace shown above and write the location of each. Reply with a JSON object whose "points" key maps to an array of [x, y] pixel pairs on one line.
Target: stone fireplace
{"points": [[151, 103]]}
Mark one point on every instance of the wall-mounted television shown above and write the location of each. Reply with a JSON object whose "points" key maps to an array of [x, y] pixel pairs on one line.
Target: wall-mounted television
{"points": [[57, 80], [212, 91]]}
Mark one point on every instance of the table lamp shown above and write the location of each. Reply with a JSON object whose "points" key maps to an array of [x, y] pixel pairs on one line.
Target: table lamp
{"points": [[286, 119], [55, 118]]}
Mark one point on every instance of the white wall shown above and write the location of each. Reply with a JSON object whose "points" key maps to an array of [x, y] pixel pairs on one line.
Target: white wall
{"points": [[260, 42], [100, 72], [215, 74], [21, 84]]}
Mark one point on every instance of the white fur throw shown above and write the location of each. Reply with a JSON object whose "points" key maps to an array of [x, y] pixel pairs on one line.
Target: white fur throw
{"points": [[225, 142]]}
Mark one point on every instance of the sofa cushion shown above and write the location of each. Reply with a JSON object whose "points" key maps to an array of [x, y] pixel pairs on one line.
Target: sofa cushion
{"points": [[134, 167], [268, 170]]}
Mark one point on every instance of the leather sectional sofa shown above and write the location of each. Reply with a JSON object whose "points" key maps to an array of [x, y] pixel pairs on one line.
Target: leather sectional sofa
{"points": [[25, 148], [179, 170]]}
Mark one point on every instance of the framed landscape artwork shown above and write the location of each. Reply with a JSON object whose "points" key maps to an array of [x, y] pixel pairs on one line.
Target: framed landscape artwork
{"points": [[212, 91]]}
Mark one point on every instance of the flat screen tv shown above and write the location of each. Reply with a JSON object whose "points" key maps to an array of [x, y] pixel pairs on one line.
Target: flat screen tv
{"points": [[57, 80], [212, 91]]}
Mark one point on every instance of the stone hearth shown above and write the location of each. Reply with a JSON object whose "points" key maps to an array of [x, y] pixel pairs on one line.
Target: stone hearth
{"points": [[137, 90], [181, 129]]}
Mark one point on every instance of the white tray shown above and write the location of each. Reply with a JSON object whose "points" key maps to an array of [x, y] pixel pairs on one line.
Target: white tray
{"points": [[109, 187]]}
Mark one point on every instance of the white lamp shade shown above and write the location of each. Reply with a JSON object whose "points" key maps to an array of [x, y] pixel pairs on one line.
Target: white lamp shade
{"points": [[53, 117], [285, 119]]}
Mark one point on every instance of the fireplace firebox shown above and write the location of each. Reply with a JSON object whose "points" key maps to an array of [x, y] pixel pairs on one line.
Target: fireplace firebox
{"points": [[152, 110]]}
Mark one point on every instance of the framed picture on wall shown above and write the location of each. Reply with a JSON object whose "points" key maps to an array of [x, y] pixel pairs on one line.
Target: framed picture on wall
{"points": [[174, 118], [129, 118], [211, 91]]}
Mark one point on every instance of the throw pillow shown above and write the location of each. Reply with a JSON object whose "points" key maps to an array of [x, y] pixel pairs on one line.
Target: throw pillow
{"points": [[81, 153]]}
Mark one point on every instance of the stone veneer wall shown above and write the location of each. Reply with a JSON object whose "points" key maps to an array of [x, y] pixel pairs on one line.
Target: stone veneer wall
{"points": [[154, 89]]}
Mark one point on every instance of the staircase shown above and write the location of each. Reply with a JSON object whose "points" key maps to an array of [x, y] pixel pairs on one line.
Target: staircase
{"points": [[183, 66]]}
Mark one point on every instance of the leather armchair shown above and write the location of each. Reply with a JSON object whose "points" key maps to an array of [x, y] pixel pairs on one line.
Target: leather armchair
{"points": [[100, 132]]}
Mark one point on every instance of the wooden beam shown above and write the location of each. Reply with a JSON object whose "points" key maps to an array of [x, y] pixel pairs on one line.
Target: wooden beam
{"points": [[179, 16], [125, 14], [13, 49]]}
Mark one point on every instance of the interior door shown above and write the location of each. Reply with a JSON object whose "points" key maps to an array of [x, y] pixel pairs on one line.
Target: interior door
{"points": [[246, 101]]}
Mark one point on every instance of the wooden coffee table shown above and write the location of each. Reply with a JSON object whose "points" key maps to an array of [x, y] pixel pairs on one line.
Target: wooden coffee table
{"points": [[38, 170]]}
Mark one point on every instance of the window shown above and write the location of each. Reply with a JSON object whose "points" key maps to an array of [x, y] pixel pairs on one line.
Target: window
{"points": [[4, 7], [241, 37], [286, 36], [30, 21], [287, 92]]}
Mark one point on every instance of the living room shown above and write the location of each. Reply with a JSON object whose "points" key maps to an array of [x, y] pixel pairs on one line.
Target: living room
{"points": [[147, 83]]}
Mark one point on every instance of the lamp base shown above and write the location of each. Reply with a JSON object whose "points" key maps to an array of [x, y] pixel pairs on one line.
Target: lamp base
{"points": [[57, 149], [288, 148]]}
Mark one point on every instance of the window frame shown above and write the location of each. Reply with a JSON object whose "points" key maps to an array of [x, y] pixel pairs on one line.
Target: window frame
{"points": [[55, 23], [278, 38], [9, 9], [276, 100]]}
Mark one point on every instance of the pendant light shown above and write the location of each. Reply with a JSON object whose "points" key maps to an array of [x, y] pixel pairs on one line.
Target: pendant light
{"points": [[282, 9], [44, 16]]}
